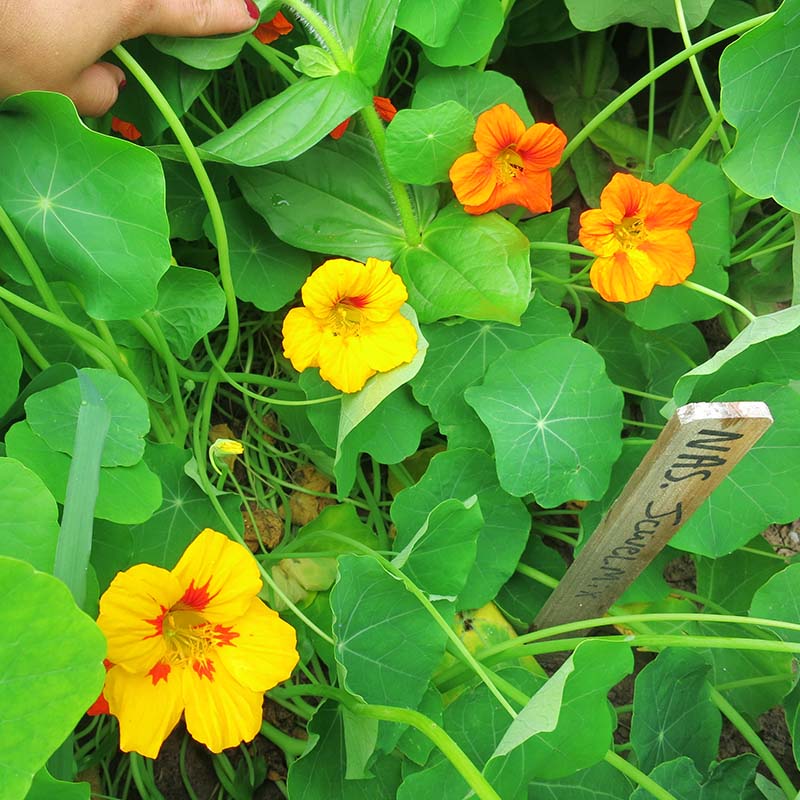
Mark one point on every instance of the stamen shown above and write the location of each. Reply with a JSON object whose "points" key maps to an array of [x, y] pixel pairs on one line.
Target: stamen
{"points": [[631, 232], [509, 165]]}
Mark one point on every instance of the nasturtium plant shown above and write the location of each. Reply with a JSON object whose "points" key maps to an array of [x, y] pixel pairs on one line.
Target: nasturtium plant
{"points": [[351, 321]]}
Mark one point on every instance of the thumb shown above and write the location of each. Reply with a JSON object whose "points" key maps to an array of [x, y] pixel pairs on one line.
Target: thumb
{"points": [[95, 89], [191, 17]]}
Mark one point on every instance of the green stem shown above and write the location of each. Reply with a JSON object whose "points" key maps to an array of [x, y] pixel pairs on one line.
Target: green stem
{"points": [[211, 111], [399, 190], [537, 575], [207, 189], [697, 148], [651, 101], [268, 54], [696, 287], [763, 252], [289, 745], [646, 395], [318, 25], [754, 740], [631, 92], [637, 776], [562, 247], [454, 754], [28, 345], [698, 76]]}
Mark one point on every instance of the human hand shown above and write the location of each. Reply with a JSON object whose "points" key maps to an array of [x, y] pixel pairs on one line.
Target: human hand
{"points": [[55, 44]]}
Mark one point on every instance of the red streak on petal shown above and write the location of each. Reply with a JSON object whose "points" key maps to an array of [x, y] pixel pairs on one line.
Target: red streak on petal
{"points": [[225, 635], [357, 302], [205, 669], [196, 597], [160, 672], [100, 706], [157, 623]]}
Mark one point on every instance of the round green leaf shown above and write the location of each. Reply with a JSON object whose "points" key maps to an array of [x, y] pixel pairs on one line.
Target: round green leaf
{"points": [[601, 14], [759, 99], [53, 415], [387, 644], [266, 272], [779, 599], [555, 419], [431, 23], [472, 36], [190, 304], [127, 495], [422, 144], [475, 90], [93, 209], [460, 473], [51, 670], [446, 275], [28, 516], [439, 557], [459, 355]]}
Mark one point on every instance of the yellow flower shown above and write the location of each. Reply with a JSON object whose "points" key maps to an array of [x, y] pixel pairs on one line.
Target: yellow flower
{"points": [[197, 640], [351, 326], [224, 448]]}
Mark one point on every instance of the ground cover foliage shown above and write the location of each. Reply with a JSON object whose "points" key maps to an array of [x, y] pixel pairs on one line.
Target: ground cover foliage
{"points": [[411, 530]]}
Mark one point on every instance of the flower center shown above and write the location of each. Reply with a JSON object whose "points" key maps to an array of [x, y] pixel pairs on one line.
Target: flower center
{"points": [[631, 232], [346, 316], [188, 635], [509, 165]]}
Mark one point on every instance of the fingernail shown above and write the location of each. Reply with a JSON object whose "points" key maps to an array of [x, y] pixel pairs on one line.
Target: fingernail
{"points": [[122, 84], [252, 9]]}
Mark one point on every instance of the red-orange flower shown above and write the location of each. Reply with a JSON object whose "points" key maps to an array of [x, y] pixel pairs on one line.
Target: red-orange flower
{"points": [[126, 129], [511, 164], [640, 236], [383, 105], [268, 32]]}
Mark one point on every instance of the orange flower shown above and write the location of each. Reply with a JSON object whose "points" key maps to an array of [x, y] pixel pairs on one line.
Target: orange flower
{"points": [[385, 108], [126, 129], [268, 32], [640, 236], [511, 164], [383, 105]]}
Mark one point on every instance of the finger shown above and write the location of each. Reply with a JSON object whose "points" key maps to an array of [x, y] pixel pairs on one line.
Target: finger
{"points": [[190, 17], [96, 89]]}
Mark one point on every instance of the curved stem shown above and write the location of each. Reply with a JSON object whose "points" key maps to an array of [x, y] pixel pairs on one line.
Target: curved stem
{"points": [[646, 395], [637, 776], [563, 247], [207, 189], [634, 89], [697, 148], [28, 345], [399, 190], [318, 25], [696, 287], [698, 75], [754, 740], [454, 754]]}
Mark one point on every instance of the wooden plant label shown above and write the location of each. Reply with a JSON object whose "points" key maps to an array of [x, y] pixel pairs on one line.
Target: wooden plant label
{"points": [[699, 446]]}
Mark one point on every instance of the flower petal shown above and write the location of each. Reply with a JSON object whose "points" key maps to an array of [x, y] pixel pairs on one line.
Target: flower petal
{"points": [[131, 610], [331, 282], [342, 363], [147, 708], [621, 278], [496, 129], [624, 196], [264, 652], [668, 208], [302, 334], [220, 712], [389, 344], [533, 190], [382, 292], [672, 254], [220, 577], [541, 146], [597, 233], [473, 178]]}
